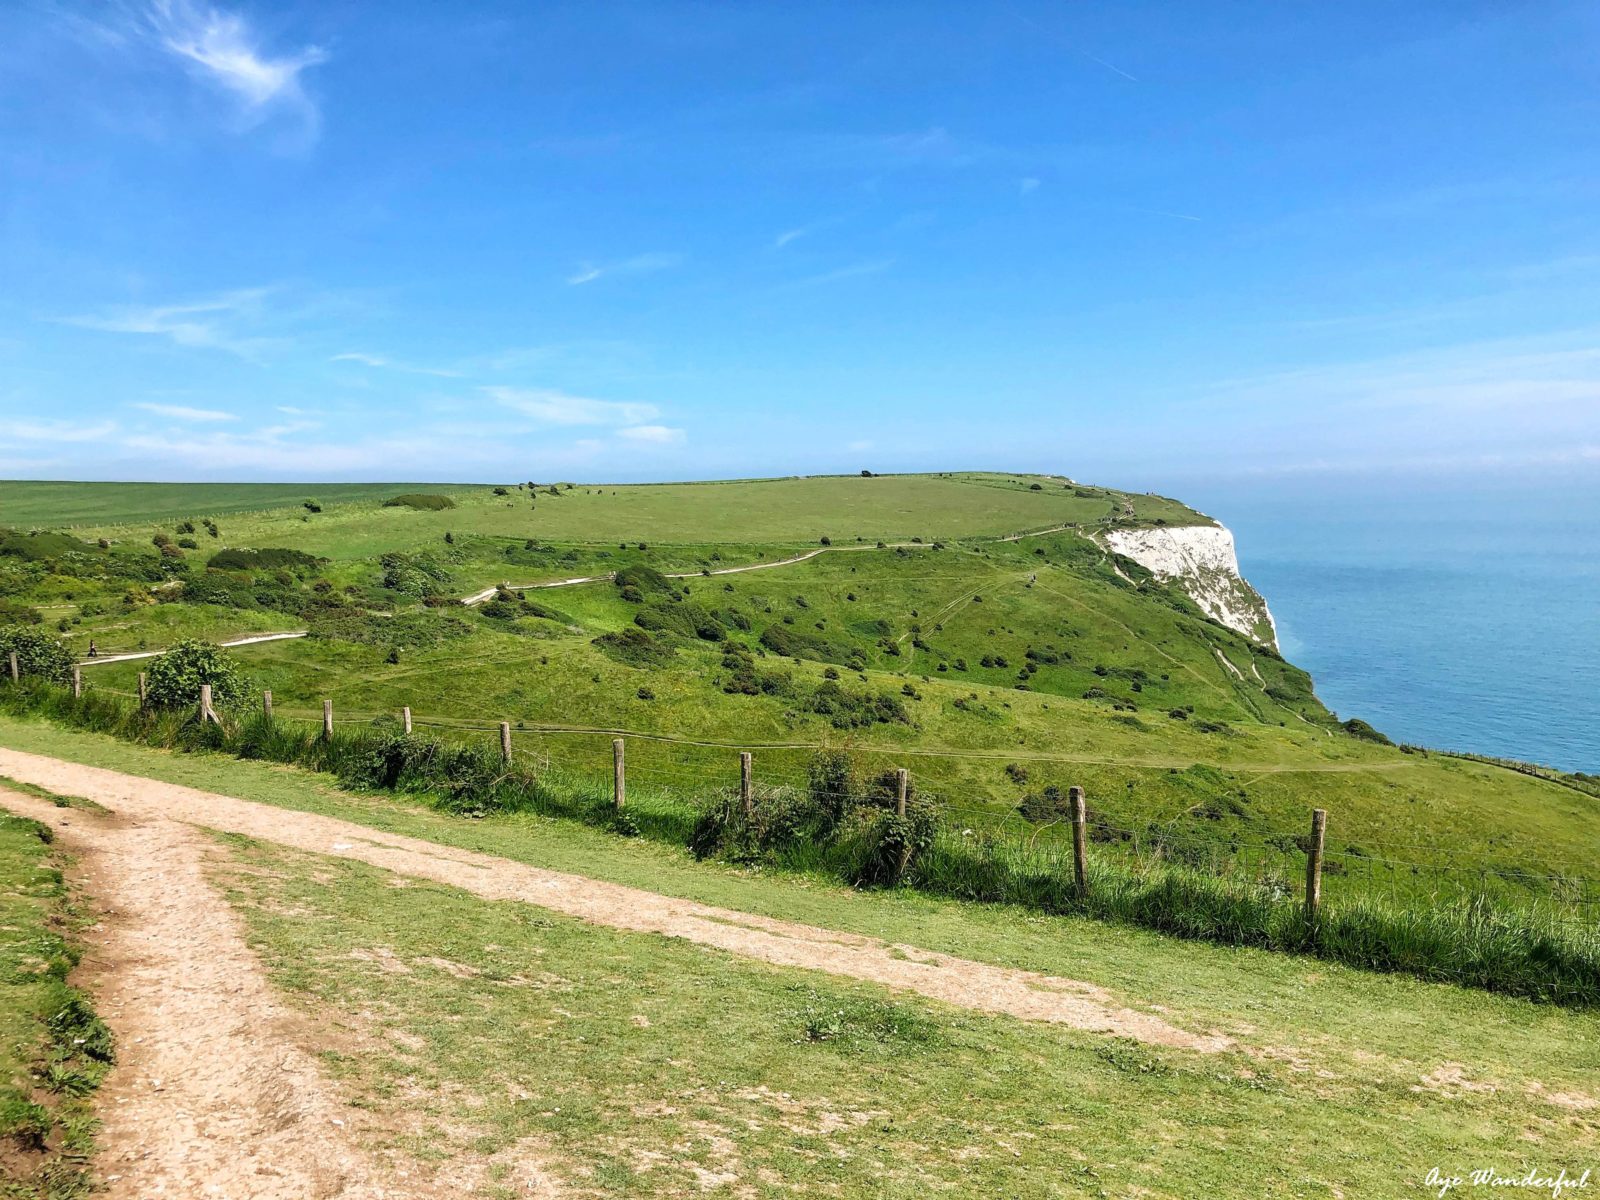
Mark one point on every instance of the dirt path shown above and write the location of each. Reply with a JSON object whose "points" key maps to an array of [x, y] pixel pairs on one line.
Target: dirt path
{"points": [[212, 1095], [480, 597], [252, 640], [979, 986]]}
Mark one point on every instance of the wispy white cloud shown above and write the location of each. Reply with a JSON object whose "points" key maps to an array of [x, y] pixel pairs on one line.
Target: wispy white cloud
{"points": [[1027, 185], [639, 264], [204, 324], [223, 50], [551, 407], [853, 271], [56, 431], [183, 412], [654, 435], [789, 235], [382, 362]]}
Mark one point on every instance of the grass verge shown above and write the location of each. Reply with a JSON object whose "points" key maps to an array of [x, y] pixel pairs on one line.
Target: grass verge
{"points": [[516, 1046], [1476, 941], [54, 1050]]}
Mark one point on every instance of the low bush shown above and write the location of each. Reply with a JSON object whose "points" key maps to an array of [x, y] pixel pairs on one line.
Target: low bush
{"points": [[270, 559], [38, 654], [634, 648], [424, 501], [176, 676], [844, 823]]}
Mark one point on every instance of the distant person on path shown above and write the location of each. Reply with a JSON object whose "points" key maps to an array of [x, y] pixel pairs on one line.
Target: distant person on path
{"points": [[93, 653]]}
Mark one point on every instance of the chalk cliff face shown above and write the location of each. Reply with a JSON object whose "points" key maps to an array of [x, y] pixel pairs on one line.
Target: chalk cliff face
{"points": [[1203, 560]]}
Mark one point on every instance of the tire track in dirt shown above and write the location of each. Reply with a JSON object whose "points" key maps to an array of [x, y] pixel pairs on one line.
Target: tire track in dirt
{"points": [[981, 987]]}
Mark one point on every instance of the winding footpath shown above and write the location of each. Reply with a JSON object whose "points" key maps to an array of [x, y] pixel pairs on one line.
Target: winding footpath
{"points": [[479, 597], [135, 803]]}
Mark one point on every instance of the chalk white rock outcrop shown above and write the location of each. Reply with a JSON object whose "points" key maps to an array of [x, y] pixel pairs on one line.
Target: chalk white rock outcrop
{"points": [[1202, 558]]}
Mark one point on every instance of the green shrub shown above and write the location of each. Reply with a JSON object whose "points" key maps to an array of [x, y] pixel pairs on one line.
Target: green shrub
{"points": [[175, 677], [270, 559], [1357, 728], [634, 648], [427, 501], [641, 579], [38, 654]]}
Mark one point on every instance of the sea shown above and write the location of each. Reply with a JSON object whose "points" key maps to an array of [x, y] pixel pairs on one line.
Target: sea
{"points": [[1451, 611]]}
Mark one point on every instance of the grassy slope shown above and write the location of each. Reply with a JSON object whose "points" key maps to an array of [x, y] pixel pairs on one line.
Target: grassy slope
{"points": [[796, 511], [1333, 1093], [1238, 789], [28, 504]]}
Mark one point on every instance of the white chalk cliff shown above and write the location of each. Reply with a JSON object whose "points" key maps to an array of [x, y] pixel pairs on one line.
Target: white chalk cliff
{"points": [[1202, 559]]}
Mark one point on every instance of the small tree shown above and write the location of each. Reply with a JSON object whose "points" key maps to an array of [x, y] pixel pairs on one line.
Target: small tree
{"points": [[175, 677], [37, 654]]}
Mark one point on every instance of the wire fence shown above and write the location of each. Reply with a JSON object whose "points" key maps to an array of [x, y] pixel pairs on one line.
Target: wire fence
{"points": [[1394, 903], [1404, 870]]}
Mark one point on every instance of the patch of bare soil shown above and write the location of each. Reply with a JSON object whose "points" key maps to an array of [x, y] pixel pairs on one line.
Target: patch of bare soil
{"points": [[982, 987], [213, 1094]]}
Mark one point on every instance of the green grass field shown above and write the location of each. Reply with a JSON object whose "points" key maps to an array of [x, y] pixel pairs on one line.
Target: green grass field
{"points": [[638, 1065], [993, 669], [54, 505]]}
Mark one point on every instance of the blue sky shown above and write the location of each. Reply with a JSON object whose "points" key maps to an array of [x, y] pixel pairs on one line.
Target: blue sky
{"points": [[1138, 243]]}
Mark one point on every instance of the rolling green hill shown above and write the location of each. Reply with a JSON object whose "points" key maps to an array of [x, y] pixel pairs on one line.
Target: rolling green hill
{"points": [[971, 627]]}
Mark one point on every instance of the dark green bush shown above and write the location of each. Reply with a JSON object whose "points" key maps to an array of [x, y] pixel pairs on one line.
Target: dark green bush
{"points": [[427, 501], [175, 677], [634, 648], [38, 654], [273, 558]]}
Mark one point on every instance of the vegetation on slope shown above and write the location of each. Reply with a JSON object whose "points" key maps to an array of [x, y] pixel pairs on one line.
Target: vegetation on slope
{"points": [[54, 1051], [925, 630], [845, 825]]}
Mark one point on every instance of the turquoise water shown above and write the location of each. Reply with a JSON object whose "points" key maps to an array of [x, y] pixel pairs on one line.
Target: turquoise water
{"points": [[1452, 614]]}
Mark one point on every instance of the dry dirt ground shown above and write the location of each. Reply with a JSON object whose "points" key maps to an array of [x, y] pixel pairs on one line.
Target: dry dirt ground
{"points": [[214, 1093]]}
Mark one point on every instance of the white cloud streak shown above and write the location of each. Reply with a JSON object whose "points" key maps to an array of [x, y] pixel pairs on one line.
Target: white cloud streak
{"points": [[384, 363], [550, 407], [202, 324], [56, 431], [639, 264], [182, 412], [221, 49]]}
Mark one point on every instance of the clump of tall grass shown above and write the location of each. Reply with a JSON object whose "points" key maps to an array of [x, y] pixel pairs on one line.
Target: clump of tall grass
{"points": [[847, 826]]}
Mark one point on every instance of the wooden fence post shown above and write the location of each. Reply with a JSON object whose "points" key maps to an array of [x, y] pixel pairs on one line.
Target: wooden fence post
{"points": [[16, 669], [505, 741], [902, 785], [266, 704], [327, 720], [618, 783], [405, 717], [1319, 830], [207, 713], [144, 690], [77, 682], [746, 799], [1080, 837]]}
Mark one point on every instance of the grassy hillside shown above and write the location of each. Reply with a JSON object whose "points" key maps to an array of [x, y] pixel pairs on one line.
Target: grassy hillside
{"points": [[493, 1036], [999, 668], [50, 505]]}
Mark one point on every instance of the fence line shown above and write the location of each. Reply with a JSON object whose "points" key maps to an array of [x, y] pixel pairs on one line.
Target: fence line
{"points": [[1156, 840]]}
